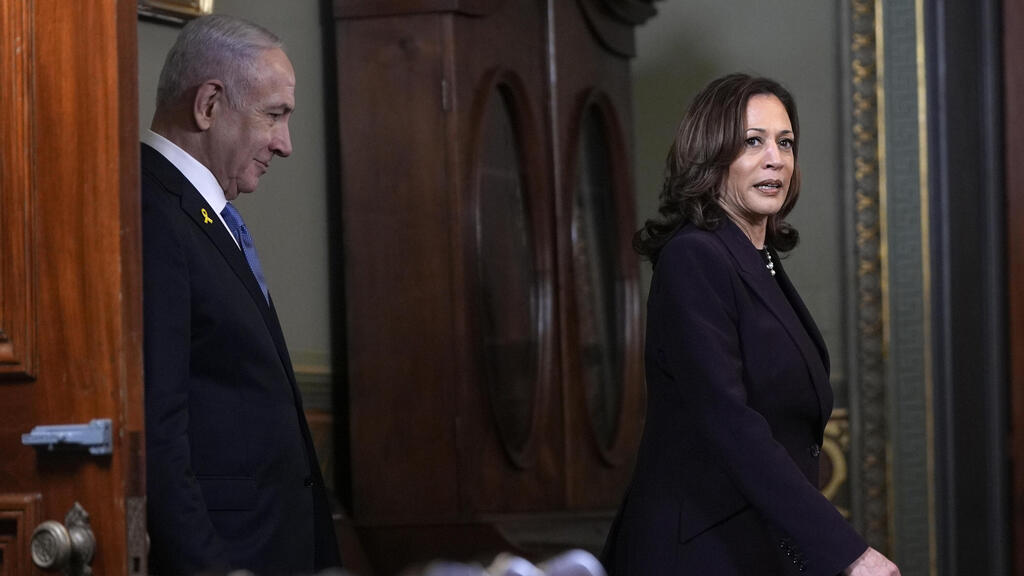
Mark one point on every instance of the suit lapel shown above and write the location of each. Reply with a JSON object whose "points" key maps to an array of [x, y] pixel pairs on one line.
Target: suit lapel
{"points": [[801, 311], [199, 210], [781, 299], [193, 204], [196, 207]]}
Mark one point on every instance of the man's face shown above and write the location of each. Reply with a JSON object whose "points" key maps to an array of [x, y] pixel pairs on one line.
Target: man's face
{"points": [[244, 141]]}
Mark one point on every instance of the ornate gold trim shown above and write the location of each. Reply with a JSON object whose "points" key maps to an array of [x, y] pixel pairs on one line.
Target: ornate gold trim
{"points": [[836, 447], [926, 278], [873, 480], [174, 11], [883, 250]]}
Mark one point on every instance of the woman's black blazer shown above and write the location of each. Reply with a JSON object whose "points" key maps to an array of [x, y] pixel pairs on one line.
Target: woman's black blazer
{"points": [[726, 480]]}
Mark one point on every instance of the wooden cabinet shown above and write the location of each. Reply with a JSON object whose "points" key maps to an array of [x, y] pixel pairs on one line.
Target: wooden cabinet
{"points": [[495, 388]]}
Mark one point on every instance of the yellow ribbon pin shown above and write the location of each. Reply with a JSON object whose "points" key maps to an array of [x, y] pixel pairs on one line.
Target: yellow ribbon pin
{"points": [[206, 217]]}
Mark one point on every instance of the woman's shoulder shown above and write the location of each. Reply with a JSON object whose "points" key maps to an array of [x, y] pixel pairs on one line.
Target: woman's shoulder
{"points": [[694, 256], [691, 242], [694, 262]]}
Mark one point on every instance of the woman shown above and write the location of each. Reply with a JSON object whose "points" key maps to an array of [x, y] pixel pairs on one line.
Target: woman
{"points": [[726, 480]]}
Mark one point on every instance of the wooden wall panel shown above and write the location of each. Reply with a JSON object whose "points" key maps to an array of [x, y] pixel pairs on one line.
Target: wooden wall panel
{"points": [[17, 262], [397, 236], [19, 516]]}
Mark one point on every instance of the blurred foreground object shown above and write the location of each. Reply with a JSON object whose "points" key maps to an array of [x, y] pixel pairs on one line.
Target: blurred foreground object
{"points": [[571, 563]]}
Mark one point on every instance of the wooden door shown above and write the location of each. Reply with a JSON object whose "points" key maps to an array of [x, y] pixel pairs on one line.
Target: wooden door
{"points": [[509, 431], [70, 274], [599, 276]]}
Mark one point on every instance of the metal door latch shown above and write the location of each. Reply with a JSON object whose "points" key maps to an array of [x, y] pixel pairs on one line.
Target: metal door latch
{"points": [[95, 436]]}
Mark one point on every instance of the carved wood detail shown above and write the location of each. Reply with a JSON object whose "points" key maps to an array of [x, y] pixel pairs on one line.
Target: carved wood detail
{"points": [[17, 271], [622, 448], [378, 8], [612, 22], [19, 516], [530, 144], [633, 12]]}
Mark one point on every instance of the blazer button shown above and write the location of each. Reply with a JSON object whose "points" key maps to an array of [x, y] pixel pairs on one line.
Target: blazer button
{"points": [[308, 482], [815, 450]]}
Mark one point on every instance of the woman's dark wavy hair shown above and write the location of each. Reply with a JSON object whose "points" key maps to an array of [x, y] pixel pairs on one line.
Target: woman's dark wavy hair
{"points": [[708, 140]]}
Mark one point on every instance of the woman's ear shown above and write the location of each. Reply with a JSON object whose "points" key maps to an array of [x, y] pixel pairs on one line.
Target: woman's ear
{"points": [[209, 99]]}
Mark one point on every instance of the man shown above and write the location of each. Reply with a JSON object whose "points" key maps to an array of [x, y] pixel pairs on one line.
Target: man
{"points": [[232, 478]]}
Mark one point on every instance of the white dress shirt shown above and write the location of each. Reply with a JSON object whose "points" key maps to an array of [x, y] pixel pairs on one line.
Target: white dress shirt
{"points": [[199, 175]]}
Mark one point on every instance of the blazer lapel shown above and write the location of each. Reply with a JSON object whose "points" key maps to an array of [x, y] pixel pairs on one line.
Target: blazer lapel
{"points": [[199, 210], [196, 207], [787, 308], [801, 311], [194, 204]]}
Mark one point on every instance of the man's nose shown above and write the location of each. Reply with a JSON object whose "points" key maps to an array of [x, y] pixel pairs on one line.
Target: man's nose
{"points": [[282, 142]]}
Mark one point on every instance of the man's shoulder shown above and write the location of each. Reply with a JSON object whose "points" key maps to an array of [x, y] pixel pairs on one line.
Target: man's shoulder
{"points": [[159, 175], [161, 196]]}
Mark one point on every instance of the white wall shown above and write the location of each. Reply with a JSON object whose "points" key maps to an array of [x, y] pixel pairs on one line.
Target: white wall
{"points": [[288, 212], [795, 42]]}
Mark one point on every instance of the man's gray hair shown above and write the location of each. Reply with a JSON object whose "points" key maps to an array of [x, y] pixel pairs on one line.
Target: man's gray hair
{"points": [[215, 47]]}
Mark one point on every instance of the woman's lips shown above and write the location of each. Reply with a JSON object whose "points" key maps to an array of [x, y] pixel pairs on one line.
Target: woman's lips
{"points": [[769, 186]]}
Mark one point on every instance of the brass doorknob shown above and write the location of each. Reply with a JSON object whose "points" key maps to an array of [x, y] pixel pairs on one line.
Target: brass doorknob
{"points": [[67, 547]]}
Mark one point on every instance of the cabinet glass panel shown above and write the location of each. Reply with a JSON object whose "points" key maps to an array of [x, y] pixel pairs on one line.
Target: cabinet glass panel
{"points": [[599, 291], [507, 277]]}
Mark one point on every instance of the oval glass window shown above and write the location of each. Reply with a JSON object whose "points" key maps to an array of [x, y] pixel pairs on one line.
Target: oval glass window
{"points": [[507, 277], [599, 289]]}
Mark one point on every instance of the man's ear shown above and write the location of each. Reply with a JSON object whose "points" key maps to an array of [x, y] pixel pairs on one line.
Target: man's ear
{"points": [[209, 100]]}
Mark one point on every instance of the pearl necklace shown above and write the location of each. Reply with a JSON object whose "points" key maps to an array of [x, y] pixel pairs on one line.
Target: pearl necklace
{"points": [[766, 255]]}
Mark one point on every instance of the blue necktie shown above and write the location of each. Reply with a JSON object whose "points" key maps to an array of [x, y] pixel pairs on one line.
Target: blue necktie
{"points": [[237, 226]]}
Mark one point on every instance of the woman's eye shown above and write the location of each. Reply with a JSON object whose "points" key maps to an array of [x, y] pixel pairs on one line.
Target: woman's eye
{"points": [[752, 141], [786, 143]]}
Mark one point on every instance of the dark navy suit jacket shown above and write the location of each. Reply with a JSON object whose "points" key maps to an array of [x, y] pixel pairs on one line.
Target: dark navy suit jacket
{"points": [[232, 477], [726, 480]]}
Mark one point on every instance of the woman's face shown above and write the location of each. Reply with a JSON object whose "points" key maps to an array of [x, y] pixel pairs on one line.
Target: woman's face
{"points": [[759, 177]]}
